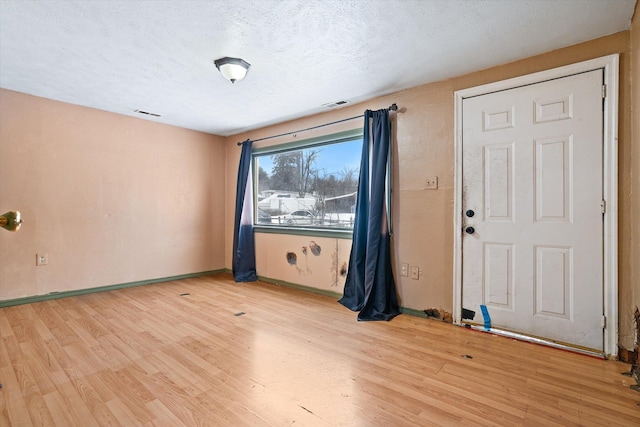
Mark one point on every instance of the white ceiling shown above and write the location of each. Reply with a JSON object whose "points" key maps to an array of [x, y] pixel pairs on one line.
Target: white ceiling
{"points": [[157, 56]]}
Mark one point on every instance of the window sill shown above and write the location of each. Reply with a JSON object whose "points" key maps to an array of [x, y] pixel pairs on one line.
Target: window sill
{"points": [[304, 231]]}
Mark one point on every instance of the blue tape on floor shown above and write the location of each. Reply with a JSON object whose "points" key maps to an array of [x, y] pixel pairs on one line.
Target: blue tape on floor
{"points": [[487, 318]]}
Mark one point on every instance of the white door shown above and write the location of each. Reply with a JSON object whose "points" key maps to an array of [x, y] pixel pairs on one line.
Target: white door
{"points": [[532, 183]]}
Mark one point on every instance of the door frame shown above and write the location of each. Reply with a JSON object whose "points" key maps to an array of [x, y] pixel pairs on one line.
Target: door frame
{"points": [[610, 65]]}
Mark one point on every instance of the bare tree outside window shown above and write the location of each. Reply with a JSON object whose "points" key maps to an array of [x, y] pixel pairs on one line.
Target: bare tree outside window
{"points": [[309, 187]]}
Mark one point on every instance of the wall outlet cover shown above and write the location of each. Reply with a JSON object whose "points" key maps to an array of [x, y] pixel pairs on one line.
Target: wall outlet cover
{"points": [[404, 269], [431, 183], [42, 259]]}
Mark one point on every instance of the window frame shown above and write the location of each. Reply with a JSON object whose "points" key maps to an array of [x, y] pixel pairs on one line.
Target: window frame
{"points": [[334, 138]]}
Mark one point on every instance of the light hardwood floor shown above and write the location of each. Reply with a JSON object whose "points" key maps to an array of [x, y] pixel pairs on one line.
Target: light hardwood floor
{"points": [[149, 356]]}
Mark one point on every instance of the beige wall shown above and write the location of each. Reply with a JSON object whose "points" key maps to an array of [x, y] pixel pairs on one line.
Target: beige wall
{"points": [[423, 147], [634, 255], [111, 199], [114, 199]]}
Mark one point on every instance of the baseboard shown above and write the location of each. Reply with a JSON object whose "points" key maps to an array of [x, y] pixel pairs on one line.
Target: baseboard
{"points": [[627, 356], [413, 312], [64, 294], [327, 293], [310, 289]]}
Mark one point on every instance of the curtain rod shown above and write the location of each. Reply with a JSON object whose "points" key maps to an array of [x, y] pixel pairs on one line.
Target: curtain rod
{"points": [[392, 107]]}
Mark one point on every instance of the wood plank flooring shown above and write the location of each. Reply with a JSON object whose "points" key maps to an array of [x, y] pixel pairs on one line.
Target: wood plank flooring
{"points": [[153, 357]]}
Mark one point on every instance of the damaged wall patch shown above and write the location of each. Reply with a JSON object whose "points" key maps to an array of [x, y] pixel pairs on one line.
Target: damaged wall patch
{"points": [[315, 248], [343, 269], [440, 314], [292, 258]]}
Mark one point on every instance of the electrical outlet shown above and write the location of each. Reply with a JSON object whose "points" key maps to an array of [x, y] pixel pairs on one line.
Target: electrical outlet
{"points": [[431, 183], [415, 272], [42, 259], [404, 269]]}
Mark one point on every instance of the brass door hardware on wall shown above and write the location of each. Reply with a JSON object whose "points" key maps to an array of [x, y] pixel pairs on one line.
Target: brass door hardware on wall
{"points": [[11, 220]]}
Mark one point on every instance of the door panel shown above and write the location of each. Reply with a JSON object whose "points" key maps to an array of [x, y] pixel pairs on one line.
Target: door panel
{"points": [[553, 281], [532, 172], [498, 178], [498, 274], [553, 173]]}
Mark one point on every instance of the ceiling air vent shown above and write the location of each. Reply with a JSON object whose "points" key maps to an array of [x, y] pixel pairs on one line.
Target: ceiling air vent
{"points": [[335, 104], [148, 113]]}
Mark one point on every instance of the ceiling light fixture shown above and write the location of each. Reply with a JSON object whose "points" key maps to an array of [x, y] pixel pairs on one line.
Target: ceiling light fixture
{"points": [[232, 69]]}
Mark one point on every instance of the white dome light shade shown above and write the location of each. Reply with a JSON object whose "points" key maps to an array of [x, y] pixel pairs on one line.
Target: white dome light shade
{"points": [[232, 69]]}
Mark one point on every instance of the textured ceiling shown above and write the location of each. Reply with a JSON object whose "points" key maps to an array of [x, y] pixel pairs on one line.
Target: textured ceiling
{"points": [[157, 56]]}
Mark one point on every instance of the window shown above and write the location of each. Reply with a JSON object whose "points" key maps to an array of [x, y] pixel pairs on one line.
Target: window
{"points": [[310, 184]]}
